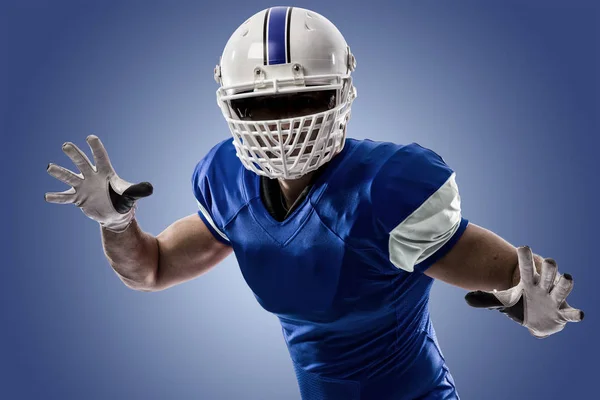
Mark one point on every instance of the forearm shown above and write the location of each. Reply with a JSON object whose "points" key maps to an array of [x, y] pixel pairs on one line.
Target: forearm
{"points": [[480, 260], [134, 256]]}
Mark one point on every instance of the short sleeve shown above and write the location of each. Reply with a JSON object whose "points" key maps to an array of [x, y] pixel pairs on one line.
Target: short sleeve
{"points": [[201, 184], [416, 201]]}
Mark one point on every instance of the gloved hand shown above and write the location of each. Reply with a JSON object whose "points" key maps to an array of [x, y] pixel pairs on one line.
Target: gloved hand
{"points": [[538, 302], [97, 190]]}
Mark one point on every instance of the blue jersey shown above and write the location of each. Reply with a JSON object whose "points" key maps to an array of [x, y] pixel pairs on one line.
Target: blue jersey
{"points": [[344, 271]]}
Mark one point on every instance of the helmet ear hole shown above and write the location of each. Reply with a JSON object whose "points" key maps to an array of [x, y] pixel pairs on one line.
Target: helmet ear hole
{"points": [[259, 77], [298, 74]]}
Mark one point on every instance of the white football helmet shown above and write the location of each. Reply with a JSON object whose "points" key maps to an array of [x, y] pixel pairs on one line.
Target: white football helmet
{"points": [[286, 91]]}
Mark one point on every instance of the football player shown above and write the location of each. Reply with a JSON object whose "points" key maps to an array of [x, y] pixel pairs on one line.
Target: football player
{"points": [[340, 238]]}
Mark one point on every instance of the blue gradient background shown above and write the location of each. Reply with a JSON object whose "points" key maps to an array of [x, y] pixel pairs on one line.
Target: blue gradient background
{"points": [[507, 93]]}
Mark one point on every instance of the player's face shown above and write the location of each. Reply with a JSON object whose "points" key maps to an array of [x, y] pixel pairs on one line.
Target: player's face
{"points": [[284, 106]]}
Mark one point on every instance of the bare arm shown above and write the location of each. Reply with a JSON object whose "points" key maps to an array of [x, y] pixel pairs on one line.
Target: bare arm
{"points": [[480, 260], [183, 251]]}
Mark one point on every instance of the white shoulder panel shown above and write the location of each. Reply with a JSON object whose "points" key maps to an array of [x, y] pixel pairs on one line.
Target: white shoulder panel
{"points": [[427, 229]]}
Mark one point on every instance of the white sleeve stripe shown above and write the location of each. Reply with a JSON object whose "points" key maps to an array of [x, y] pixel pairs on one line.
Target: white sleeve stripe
{"points": [[210, 220], [427, 229]]}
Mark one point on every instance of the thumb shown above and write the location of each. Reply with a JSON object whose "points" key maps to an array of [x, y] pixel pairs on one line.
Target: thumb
{"points": [[139, 190], [124, 202], [481, 299]]}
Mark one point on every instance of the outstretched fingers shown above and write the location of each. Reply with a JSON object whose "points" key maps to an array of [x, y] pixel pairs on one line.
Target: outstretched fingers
{"points": [[79, 158], [66, 197], [548, 274], [563, 288], [99, 152], [64, 175], [571, 314], [526, 265]]}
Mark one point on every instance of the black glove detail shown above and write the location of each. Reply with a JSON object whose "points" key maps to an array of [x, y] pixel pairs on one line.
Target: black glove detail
{"points": [[479, 299], [124, 202]]}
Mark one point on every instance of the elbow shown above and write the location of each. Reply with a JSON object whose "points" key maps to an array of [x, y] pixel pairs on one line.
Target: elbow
{"points": [[139, 287], [146, 283], [152, 283]]}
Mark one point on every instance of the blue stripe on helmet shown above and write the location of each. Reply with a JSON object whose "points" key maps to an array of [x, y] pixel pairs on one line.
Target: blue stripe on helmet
{"points": [[276, 36]]}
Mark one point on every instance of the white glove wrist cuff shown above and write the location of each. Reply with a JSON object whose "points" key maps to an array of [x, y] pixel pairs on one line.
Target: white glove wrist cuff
{"points": [[119, 225]]}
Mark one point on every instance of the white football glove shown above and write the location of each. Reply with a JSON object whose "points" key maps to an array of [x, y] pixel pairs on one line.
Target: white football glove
{"points": [[538, 302], [97, 190]]}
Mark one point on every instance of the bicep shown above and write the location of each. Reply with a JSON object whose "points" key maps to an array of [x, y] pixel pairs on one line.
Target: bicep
{"points": [[187, 249], [479, 260]]}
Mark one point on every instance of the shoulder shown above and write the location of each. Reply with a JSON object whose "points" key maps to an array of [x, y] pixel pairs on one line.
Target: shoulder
{"points": [[219, 169], [355, 190], [386, 156], [388, 163], [377, 169], [218, 185], [406, 178], [366, 151], [411, 161], [219, 159], [361, 162]]}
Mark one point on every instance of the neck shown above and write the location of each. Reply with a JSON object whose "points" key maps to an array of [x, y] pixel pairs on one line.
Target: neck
{"points": [[291, 188]]}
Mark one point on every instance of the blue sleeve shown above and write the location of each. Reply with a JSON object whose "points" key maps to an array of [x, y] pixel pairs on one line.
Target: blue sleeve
{"points": [[201, 184], [416, 202]]}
